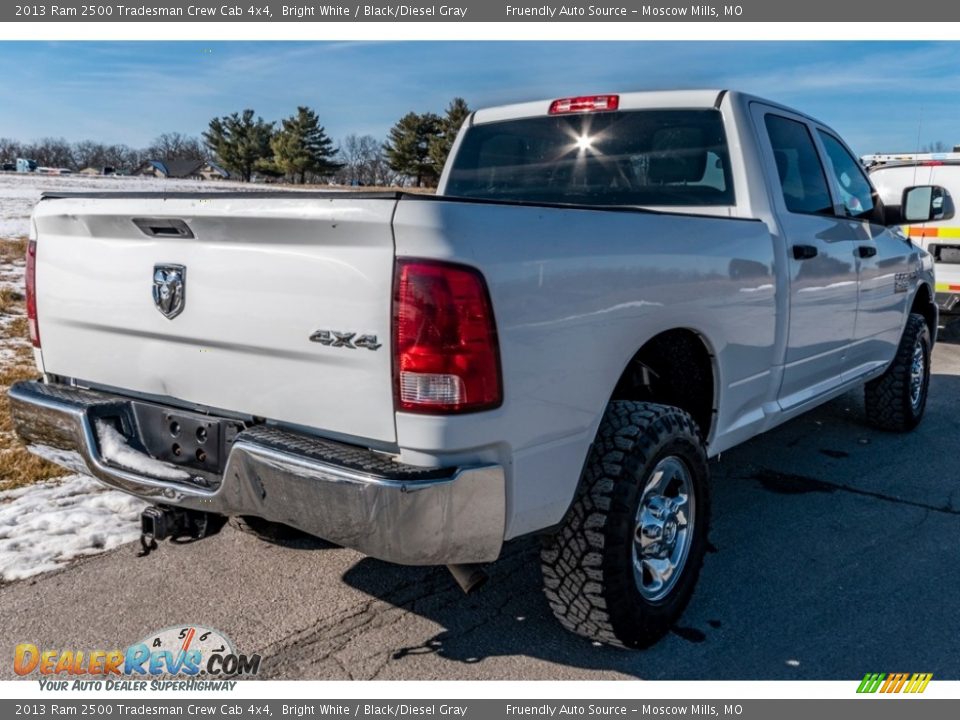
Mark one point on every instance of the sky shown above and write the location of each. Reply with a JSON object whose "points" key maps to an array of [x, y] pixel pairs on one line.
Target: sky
{"points": [[881, 96]]}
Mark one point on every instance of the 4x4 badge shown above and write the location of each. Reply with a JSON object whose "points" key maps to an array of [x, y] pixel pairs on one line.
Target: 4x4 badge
{"points": [[169, 289], [332, 338]]}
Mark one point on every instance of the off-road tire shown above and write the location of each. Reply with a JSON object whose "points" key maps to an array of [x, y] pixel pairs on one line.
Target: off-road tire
{"points": [[887, 399], [587, 565]]}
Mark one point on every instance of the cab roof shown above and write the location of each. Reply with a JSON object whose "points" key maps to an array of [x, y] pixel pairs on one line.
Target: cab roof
{"points": [[628, 101], [643, 100]]}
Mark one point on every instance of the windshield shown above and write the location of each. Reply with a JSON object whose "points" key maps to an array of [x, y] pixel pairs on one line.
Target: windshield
{"points": [[643, 157]]}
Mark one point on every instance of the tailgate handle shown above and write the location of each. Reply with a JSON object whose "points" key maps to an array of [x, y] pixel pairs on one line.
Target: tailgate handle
{"points": [[163, 227]]}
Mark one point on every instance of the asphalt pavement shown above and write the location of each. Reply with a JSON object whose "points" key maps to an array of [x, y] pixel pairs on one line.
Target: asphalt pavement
{"points": [[834, 552]]}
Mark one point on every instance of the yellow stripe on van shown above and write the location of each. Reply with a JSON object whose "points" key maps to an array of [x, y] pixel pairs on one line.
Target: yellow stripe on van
{"points": [[947, 287], [934, 232]]}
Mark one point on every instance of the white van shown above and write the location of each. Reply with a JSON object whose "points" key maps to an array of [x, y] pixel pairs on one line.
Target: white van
{"points": [[940, 238]]}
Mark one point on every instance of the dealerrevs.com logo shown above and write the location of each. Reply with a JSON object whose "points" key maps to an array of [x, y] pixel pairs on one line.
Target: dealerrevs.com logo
{"points": [[894, 683], [188, 652]]}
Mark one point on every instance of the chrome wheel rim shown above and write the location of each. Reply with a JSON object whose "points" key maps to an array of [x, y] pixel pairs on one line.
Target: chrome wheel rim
{"points": [[918, 371], [663, 529]]}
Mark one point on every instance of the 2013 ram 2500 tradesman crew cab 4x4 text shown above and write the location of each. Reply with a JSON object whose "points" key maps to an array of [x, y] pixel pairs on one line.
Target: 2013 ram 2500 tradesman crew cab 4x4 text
{"points": [[604, 292]]}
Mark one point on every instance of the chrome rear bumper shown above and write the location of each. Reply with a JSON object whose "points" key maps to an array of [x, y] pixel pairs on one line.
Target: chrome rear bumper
{"points": [[350, 496]]}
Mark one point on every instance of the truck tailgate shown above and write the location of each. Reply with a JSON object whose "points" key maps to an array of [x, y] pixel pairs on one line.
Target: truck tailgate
{"points": [[262, 275]]}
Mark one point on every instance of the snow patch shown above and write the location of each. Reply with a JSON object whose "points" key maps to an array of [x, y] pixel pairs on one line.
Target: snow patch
{"points": [[114, 449], [46, 524], [20, 192]]}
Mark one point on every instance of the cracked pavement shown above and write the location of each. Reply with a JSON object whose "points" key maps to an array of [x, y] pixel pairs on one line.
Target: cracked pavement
{"points": [[834, 552]]}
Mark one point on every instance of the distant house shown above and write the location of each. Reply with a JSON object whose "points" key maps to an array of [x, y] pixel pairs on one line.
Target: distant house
{"points": [[184, 169]]}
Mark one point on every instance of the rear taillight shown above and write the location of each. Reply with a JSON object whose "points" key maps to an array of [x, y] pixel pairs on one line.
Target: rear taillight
{"points": [[585, 103], [32, 293], [445, 352]]}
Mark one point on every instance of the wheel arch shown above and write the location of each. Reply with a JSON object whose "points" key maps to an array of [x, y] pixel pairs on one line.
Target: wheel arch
{"points": [[700, 399], [678, 367], [925, 305]]}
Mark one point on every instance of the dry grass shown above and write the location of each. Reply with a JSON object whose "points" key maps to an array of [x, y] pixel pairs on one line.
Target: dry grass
{"points": [[8, 300], [14, 249], [14, 329], [17, 466], [11, 374]]}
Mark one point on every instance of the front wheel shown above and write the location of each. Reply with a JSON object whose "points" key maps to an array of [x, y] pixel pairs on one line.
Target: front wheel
{"points": [[897, 399], [624, 564]]}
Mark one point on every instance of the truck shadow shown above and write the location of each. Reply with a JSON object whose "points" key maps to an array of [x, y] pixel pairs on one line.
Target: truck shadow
{"points": [[949, 331], [801, 581]]}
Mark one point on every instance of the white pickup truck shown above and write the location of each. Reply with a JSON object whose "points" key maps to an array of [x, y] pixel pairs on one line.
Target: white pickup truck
{"points": [[604, 292]]}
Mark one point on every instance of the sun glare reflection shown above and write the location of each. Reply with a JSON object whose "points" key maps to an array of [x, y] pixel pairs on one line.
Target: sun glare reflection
{"points": [[586, 141]]}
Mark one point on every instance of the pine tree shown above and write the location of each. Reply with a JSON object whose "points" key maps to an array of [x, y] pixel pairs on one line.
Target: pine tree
{"points": [[302, 146], [408, 147], [440, 146], [240, 142]]}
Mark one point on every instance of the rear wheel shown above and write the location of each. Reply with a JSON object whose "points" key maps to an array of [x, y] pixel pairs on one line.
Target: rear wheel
{"points": [[624, 564], [897, 399]]}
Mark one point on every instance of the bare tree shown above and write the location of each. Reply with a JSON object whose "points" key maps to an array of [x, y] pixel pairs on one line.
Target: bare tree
{"points": [[176, 146], [936, 147], [50, 152], [364, 162], [122, 158], [10, 149], [57, 152], [89, 153]]}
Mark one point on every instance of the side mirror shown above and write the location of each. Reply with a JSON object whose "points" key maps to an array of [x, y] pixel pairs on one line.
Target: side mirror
{"points": [[924, 203]]}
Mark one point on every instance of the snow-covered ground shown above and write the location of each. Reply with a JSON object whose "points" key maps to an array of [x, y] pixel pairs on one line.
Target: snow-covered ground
{"points": [[46, 524], [11, 276], [14, 223], [19, 192]]}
